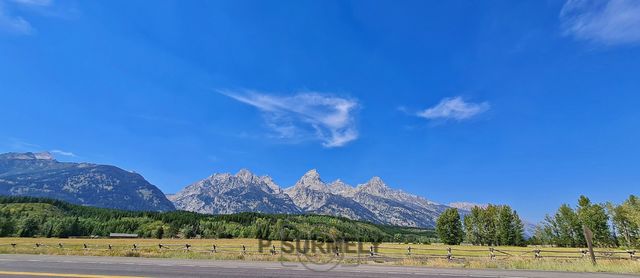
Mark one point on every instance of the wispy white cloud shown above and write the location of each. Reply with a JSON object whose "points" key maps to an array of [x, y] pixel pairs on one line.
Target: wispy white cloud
{"points": [[454, 108], [403, 109], [17, 144], [37, 3], [307, 115], [17, 24], [13, 24], [60, 152], [608, 22]]}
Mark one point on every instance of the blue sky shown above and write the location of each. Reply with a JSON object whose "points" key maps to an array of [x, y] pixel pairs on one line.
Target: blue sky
{"points": [[529, 103]]}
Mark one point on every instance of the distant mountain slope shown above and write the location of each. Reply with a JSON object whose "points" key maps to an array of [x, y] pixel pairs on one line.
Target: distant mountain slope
{"points": [[466, 205], [396, 207], [226, 194], [40, 175]]}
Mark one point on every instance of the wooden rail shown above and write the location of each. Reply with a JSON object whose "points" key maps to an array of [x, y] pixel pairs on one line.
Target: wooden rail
{"points": [[372, 252]]}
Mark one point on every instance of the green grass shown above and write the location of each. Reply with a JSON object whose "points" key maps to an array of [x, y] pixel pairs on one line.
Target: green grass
{"points": [[546, 264]]}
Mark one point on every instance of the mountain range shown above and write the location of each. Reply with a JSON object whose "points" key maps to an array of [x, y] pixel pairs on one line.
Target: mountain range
{"points": [[40, 175], [373, 201]]}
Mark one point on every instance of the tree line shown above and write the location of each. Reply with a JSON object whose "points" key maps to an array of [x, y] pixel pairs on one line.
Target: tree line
{"points": [[492, 225], [38, 217], [612, 225]]}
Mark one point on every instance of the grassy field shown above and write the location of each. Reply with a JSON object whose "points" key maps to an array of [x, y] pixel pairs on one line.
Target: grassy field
{"points": [[561, 259]]}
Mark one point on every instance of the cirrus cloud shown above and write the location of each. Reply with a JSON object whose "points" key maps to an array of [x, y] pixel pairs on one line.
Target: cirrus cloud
{"points": [[306, 115], [454, 108], [12, 23], [608, 22], [11, 20]]}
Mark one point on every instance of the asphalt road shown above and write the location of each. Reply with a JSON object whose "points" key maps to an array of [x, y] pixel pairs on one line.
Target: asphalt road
{"points": [[119, 267]]}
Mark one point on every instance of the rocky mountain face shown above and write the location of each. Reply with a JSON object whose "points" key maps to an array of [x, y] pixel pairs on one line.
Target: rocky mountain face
{"points": [[40, 175], [242, 192], [396, 207], [312, 195], [467, 206], [372, 201]]}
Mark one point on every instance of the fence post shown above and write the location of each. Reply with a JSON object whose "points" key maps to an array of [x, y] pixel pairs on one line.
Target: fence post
{"points": [[492, 255], [584, 252], [449, 255], [588, 235]]}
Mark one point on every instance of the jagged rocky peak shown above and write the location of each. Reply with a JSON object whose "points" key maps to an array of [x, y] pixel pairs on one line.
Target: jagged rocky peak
{"points": [[271, 184], [377, 181], [245, 175], [375, 186], [215, 177], [311, 175], [311, 180], [341, 188], [338, 184]]}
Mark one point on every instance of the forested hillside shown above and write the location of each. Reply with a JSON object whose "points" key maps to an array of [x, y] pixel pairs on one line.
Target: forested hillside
{"points": [[29, 217]]}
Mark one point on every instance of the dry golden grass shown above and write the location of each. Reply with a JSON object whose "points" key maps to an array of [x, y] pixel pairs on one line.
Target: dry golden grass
{"points": [[231, 249], [484, 251], [548, 264]]}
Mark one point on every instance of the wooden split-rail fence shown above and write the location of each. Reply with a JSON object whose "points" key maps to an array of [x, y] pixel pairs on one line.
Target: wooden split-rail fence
{"points": [[372, 252]]}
